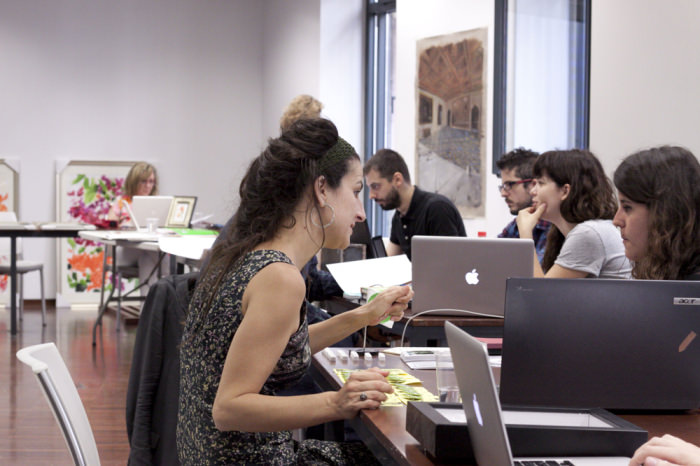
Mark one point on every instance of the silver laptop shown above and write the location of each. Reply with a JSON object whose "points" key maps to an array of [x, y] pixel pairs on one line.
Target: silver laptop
{"points": [[602, 343], [452, 274], [145, 207], [487, 430]]}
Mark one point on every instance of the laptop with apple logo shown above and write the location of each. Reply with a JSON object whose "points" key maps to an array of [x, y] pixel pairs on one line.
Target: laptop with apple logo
{"points": [[451, 275], [485, 419]]}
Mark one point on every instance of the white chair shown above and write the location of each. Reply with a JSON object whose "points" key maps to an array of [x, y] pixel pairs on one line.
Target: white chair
{"points": [[22, 267], [58, 386]]}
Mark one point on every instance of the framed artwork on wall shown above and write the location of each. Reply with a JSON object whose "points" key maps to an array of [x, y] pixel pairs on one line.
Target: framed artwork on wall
{"points": [[8, 186], [85, 193], [181, 210], [451, 100], [8, 203]]}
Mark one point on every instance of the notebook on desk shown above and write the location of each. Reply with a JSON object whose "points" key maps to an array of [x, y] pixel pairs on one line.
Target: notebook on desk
{"points": [[487, 430], [615, 344], [456, 273], [145, 207]]}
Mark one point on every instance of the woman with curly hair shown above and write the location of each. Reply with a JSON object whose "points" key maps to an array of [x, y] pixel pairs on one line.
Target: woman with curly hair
{"points": [[659, 213], [246, 336], [301, 106], [572, 192]]}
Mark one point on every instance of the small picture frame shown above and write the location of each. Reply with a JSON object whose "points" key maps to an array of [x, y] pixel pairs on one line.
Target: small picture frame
{"points": [[181, 210]]}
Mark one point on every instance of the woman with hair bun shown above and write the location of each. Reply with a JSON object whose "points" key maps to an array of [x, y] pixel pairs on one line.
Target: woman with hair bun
{"points": [[572, 192], [246, 336], [659, 213]]}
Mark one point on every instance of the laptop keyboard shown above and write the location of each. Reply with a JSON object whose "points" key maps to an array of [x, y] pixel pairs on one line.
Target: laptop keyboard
{"points": [[543, 463]]}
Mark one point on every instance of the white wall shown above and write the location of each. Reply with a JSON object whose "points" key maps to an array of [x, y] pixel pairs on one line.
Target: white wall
{"points": [[415, 21], [291, 57], [645, 70], [194, 86]]}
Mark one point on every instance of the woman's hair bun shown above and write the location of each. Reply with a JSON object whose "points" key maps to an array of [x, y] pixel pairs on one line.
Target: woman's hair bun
{"points": [[311, 136]]}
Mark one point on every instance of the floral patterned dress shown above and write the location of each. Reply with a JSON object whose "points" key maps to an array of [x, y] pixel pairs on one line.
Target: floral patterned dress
{"points": [[204, 348]]}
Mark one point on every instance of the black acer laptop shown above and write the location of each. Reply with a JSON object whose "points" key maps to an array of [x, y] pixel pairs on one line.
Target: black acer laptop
{"points": [[614, 344]]}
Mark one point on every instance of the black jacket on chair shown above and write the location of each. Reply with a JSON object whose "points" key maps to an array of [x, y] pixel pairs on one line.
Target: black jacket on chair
{"points": [[154, 381]]}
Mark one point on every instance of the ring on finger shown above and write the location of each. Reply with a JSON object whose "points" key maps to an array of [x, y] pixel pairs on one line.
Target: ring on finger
{"points": [[363, 396]]}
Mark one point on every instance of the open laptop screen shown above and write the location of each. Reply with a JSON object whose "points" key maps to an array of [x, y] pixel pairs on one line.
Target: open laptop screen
{"points": [[615, 344], [456, 273], [145, 207]]}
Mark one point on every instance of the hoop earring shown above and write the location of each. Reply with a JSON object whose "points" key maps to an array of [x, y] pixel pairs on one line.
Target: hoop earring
{"points": [[330, 222]]}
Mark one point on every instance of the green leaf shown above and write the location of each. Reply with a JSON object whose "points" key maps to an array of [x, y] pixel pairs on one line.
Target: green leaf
{"points": [[90, 195], [78, 178]]}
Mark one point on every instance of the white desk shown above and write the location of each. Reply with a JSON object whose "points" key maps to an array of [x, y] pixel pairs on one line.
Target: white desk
{"points": [[186, 246]]}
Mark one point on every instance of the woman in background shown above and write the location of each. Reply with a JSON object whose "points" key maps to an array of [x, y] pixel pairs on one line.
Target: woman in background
{"points": [[142, 180], [659, 218], [301, 106], [659, 213], [246, 336], [572, 192]]}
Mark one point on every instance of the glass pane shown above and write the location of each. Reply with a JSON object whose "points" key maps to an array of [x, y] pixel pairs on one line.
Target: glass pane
{"points": [[547, 75]]}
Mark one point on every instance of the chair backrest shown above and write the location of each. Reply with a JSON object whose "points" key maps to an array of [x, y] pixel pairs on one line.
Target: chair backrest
{"points": [[9, 217], [58, 386]]}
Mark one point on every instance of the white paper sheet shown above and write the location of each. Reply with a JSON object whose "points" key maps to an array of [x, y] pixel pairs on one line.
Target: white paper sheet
{"points": [[384, 271]]}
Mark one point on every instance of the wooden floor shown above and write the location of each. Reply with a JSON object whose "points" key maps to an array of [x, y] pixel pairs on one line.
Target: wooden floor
{"points": [[28, 432]]}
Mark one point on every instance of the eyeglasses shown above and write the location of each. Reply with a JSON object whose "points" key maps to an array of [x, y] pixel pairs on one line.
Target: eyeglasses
{"points": [[508, 185]]}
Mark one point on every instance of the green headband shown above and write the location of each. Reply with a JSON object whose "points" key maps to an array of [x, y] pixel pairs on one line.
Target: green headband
{"points": [[340, 151]]}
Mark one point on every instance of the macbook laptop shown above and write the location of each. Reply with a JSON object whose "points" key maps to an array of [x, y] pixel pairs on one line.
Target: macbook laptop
{"points": [[469, 274], [487, 430], [145, 207], [614, 344]]}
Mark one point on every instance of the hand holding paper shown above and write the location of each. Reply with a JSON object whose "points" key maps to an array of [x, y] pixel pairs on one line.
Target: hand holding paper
{"points": [[390, 304], [384, 271]]}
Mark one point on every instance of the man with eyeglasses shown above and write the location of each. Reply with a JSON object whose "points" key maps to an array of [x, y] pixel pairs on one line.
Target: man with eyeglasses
{"points": [[417, 212], [516, 181]]}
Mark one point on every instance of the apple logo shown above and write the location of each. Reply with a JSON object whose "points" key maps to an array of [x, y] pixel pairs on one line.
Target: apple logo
{"points": [[472, 277], [478, 411]]}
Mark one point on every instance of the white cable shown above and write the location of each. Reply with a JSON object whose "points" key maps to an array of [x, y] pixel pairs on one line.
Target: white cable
{"points": [[430, 311]]}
